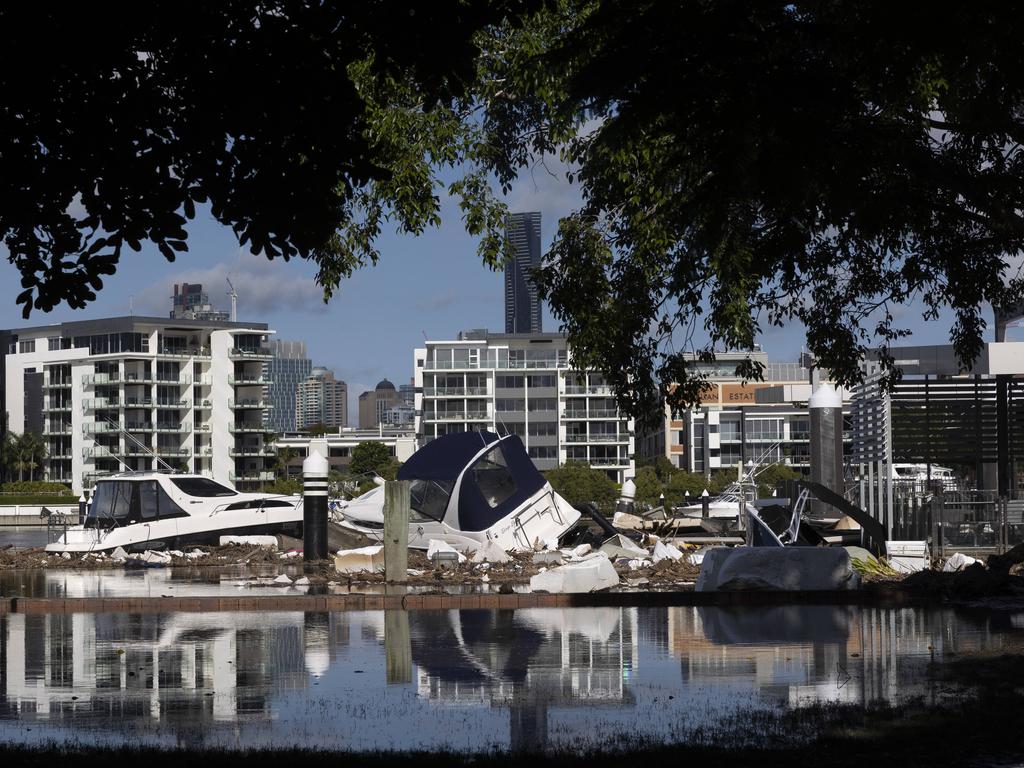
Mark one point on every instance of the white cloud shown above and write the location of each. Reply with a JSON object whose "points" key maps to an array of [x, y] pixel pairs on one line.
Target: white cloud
{"points": [[264, 286]]}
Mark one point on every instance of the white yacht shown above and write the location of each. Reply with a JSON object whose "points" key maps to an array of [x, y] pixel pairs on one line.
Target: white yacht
{"points": [[468, 488], [151, 510]]}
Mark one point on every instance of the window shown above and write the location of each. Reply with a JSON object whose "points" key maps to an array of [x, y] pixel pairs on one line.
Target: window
{"points": [[493, 477], [543, 452], [201, 486], [730, 430], [542, 428], [53, 343], [509, 404], [26, 346], [429, 498], [148, 500], [543, 404], [764, 429], [542, 380], [509, 382]]}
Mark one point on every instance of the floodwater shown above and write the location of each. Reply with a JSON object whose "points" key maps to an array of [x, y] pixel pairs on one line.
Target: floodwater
{"points": [[23, 536], [463, 680]]}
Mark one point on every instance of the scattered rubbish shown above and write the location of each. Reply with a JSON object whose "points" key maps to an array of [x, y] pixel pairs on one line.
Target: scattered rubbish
{"points": [[259, 541], [638, 582], [436, 545], [302, 582], [958, 561], [796, 569], [627, 522], [867, 565], [195, 554], [547, 557], [449, 561], [362, 559], [663, 551], [590, 575], [118, 555], [413, 572], [621, 546], [696, 558], [283, 579], [66, 555], [485, 578], [151, 557], [289, 555], [491, 552], [907, 556], [581, 550]]}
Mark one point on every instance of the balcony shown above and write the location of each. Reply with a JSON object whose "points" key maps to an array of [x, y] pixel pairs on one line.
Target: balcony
{"points": [[254, 451], [168, 380], [251, 477], [98, 427], [91, 379], [250, 353], [200, 427], [183, 352], [203, 405], [173, 452], [93, 403], [458, 416], [138, 426], [138, 377], [242, 426], [608, 438], [172, 404], [593, 413], [455, 391], [58, 408], [59, 457], [250, 381], [98, 452], [249, 403], [138, 402], [604, 390], [56, 429], [171, 428], [56, 383], [603, 462]]}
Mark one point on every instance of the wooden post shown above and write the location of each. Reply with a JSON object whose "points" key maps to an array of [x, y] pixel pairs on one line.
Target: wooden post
{"points": [[396, 530], [397, 647]]}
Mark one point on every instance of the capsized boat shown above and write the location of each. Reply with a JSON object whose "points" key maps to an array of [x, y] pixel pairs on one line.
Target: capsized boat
{"points": [[153, 510], [467, 489]]}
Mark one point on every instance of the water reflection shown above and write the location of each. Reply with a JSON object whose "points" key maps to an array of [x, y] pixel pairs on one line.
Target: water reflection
{"points": [[522, 679]]}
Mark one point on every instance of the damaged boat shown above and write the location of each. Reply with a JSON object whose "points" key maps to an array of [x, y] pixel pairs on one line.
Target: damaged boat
{"points": [[153, 510], [468, 488]]}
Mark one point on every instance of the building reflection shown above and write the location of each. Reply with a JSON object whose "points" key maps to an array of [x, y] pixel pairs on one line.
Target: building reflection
{"points": [[528, 660]]}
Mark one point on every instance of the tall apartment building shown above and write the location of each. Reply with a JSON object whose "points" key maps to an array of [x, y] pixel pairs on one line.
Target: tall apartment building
{"points": [[191, 302], [522, 302], [135, 393], [766, 421], [321, 399], [288, 367], [527, 384]]}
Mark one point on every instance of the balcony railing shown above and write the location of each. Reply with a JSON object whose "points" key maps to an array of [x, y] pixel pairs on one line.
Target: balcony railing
{"points": [[168, 427], [250, 353], [93, 403], [457, 416], [138, 426], [243, 426], [593, 413], [138, 402], [91, 379], [57, 429], [249, 403], [167, 379], [177, 404], [203, 404], [572, 389], [98, 452], [97, 427], [56, 383], [174, 452], [251, 477], [250, 381], [247, 451], [183, 352], [57, 408]]}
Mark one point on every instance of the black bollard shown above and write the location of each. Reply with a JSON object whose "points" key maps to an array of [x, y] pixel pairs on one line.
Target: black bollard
{"points": [[705, 504], [314, 507], [81, 509]]}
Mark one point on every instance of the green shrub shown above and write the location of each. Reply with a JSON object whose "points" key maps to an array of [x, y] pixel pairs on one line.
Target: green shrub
{"points": [[37, 487]]}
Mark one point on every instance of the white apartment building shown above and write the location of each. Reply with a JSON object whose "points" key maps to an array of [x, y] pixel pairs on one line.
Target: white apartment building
{"points": [[135, 393], [522, 383]]}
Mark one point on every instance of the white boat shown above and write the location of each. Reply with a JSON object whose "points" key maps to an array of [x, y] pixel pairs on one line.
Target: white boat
{"points": [[468, 488], [151, 510]]}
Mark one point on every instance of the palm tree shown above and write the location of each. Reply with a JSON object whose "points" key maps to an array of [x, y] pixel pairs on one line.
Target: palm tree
{"points": [[29, 453]]}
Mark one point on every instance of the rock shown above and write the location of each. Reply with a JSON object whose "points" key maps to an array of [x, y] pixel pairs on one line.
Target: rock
{"points": [[590, 575], [283, 580], [359, 560], [787, 569], [491, 552]]}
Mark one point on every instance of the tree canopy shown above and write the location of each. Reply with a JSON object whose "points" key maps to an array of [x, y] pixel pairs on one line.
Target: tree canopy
{"points": [[740, 164], [372, 458]]}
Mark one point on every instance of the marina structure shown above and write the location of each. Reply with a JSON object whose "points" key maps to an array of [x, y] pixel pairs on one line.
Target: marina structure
{"points": [[142, 393], [525, 384]]}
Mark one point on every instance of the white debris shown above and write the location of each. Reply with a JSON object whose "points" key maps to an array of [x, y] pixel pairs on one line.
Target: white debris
{"points": [[663, 551], [361, 559], [958, 561], [551, 544], [639, 563], [491, 552], [638, 582], [176, 553], [259, 541], [152, 557], [485, 578], [696, 558], [581, 550], [622, 546], [787, 569], [303, 582], [907, 556], [283, 579], [195, 554], [590, 575], [66, 555], [412, 572], [627, 522], [289, 554], [119, 555], [434, 546], [547, 557]]}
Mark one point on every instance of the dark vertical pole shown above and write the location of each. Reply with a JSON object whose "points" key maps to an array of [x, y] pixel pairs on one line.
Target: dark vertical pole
{"points": [[705, 502], [1002, 437], [81, 509], [314, 507], [396, 530]]}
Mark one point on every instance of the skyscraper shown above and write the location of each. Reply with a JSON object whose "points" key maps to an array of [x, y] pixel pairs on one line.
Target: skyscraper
{"points": [[286, 370], [522, 304], [321, 399]]}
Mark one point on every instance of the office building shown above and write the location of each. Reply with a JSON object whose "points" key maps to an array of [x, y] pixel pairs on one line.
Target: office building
{"points": [[375, 404], [136, 393], [522, 302], [191, 302], [764, 422], [321, 399], [526, 384], [286, 370]]}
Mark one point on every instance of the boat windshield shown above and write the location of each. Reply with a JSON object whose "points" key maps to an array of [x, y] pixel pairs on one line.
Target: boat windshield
{"points": [[201, 486], [429, 498], [123, 502]]}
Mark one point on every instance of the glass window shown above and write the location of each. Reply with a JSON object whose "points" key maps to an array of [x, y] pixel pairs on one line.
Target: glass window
{"points": [[542, 380], [27, 346], [542, 428], [201, 486], [509, 381], [543, 404], [493, 477], [543, 452], [509, 404], [148, 500], [429, 498]]}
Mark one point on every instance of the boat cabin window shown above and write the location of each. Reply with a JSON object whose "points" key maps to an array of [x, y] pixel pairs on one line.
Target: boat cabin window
{"points": [[125, 502], [259, 504], [493, 478], [201, 486], [429, 498]]}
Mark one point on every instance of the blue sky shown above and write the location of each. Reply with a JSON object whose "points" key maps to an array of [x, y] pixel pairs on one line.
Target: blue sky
{"points": [[433, 284]]}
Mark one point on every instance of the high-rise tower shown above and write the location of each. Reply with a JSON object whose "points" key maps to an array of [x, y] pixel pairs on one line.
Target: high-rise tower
{"points": [[522, 304]]}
